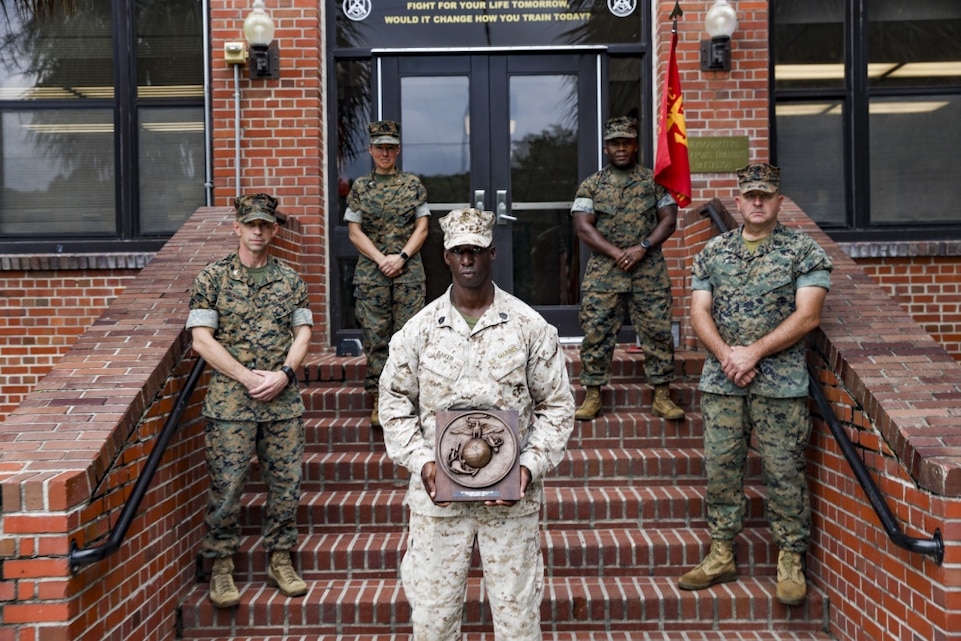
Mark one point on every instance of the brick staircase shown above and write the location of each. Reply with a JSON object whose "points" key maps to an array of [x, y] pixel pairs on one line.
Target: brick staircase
{"points": [[624, 517]]}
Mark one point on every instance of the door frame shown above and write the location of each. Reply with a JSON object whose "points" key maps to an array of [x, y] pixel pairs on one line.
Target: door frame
{"points": [[489, 72]]}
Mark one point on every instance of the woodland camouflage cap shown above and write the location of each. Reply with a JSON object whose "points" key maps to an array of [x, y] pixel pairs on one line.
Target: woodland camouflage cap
{"points": [[759, 176], [384, 132]]}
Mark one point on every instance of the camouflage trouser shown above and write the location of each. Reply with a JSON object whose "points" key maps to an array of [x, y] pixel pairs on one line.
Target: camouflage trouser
{"points": [[782, 427], [381, 311], [601, 318], [279, 446], [435, 567]]}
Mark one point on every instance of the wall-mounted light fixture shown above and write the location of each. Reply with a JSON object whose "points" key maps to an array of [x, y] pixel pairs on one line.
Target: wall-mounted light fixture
{"points": [[264, 61], [720, 22]]}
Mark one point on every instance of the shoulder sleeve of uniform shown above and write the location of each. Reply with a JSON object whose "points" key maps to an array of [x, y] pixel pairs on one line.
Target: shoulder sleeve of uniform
{"points": [[416, 186], [588, 187], [356, 194], [353, 216], [203, 318], [812, 257], [550, 391]]}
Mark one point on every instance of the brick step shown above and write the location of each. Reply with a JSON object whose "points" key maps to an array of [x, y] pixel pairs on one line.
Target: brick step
{"points": [[627, 364], [351, 401], [658, 506], [637, 428], [676, 635], [580, 552], [333, 471], [578, 507], [571, 604]]}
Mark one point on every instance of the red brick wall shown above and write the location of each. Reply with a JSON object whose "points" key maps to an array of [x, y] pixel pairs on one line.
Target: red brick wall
{"points": [[42, 313], [70, 455], [926, 287]]}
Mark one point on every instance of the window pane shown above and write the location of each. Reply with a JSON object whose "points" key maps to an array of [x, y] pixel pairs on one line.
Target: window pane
{"points": [[810, 153], [171, 167], [624, 87], [353, 115], [169, 48], [914, 159], [914, 43], [65, 55], [58, 172], [808, 43]]}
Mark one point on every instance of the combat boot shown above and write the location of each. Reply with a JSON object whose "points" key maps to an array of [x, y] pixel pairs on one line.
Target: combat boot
{"points": [[375, 413], [591, 406], [717, 567], [223, 592], [791, 586], [281, 574], [663, 406]]}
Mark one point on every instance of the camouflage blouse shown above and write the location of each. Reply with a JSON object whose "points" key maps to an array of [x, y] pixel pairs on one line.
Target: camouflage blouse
{"points": [[387, 208], [625, 210], [753, 293], [255, 325]]}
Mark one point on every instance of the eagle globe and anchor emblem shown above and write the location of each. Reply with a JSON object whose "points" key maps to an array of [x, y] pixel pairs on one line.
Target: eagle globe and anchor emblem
{"points": [[357, 10], [477, 453]]}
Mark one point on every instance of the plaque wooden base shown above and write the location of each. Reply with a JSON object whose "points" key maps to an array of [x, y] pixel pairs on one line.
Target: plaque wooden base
{"points": [[477, 456]]}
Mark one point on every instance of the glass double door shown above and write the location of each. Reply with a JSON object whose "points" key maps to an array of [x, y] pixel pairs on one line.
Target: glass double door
{"points": [[513, 134]]}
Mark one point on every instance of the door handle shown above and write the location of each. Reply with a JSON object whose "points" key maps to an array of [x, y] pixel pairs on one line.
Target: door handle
{"points": [[502, 216], [479, 196]]}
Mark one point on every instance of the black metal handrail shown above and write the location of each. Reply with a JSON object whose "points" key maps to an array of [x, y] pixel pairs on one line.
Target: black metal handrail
{"points": [[933, 547], [86, 556]]}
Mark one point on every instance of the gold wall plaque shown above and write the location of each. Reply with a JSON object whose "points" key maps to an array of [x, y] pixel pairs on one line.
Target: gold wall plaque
{"points": [[477, 456], [717, 154]]}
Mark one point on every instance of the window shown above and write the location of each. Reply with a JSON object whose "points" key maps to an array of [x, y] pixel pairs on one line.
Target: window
{"points": [[866, 128], [98, 146]]}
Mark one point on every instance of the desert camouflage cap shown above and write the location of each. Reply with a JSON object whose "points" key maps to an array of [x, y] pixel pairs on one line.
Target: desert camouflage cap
{"points": [[620, 127], [468, 227], [384, 132], [252, 207], [759, 176]]}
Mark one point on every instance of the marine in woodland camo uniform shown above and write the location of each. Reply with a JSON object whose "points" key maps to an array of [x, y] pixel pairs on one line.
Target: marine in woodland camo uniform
{"points": [[385, 207], [748, 287], [632, 214], [510, 359], [254, 314]]}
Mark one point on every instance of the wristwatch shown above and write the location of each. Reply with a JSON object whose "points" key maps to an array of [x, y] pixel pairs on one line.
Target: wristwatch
{"points": [[646, 244], [404, 257], [291, 377]]}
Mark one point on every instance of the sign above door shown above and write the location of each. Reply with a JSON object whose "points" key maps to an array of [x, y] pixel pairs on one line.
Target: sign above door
{"points": [[419, 24]]}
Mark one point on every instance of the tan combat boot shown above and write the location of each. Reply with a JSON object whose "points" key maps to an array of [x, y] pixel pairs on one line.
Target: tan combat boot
{"points": [[223, 592], [663, 406], [717, 567], [591, 406], [281, 574], [791, 586], [375, 413]]}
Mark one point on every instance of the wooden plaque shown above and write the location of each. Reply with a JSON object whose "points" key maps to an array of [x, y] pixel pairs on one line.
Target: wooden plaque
{"points": [[477, 456]]}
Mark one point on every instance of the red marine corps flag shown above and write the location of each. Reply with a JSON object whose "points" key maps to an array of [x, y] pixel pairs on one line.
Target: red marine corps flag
{"points": [[672, 168]]}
